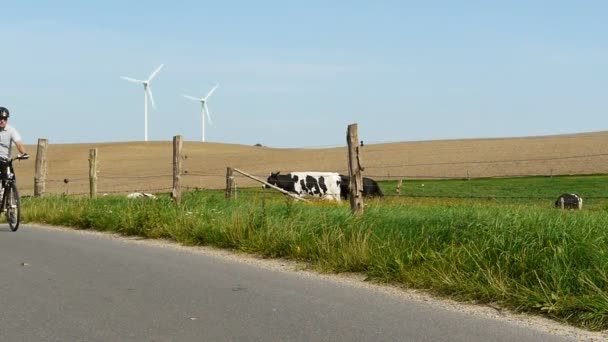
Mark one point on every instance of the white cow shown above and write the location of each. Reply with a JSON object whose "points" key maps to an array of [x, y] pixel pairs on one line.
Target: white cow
{"points": [[141, 195]]}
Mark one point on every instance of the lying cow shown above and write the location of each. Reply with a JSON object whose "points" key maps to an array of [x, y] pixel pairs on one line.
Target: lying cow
{"points": [[141, 195], [370, 187], [324, 185], [569, 201]]}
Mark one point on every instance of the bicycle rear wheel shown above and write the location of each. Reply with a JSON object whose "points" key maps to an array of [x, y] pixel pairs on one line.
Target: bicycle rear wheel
{"points": [[13, 207]]}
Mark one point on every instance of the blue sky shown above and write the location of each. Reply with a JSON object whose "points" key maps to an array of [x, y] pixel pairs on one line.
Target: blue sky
{"points": [[295, 74]]}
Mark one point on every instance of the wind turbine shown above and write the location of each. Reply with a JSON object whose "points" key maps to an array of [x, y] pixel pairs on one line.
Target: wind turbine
{"points": [[204, 108], [147, 92]]}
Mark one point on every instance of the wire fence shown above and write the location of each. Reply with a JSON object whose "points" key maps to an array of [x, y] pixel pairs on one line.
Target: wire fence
{"points": [[79, 187], [387, 163]]}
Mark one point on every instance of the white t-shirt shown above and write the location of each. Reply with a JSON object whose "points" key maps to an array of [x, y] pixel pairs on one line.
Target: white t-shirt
{"points": [[8, 136]]}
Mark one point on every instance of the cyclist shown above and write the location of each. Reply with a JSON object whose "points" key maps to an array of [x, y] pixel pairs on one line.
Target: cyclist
{"points": [[8, 136]]}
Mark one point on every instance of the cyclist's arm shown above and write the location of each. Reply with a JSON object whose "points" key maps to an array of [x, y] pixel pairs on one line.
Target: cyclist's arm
{"points": [[16, 138], [20, 147]]}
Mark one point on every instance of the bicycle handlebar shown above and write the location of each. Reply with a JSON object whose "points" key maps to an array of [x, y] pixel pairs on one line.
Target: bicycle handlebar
{"points": [[17, 157]]}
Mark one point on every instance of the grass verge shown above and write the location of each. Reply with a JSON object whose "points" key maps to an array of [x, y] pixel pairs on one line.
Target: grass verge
{"points": [[525, 258]]}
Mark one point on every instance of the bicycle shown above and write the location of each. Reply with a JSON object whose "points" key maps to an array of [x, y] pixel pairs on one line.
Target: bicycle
{"points": [[11, 202]]}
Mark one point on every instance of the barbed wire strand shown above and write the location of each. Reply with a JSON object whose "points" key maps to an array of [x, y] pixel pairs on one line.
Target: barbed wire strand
{"points": [[490, 161]]}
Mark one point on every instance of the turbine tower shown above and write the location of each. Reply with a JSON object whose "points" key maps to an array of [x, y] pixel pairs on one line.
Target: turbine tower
{"points": [[147, 92], [204, 108]]}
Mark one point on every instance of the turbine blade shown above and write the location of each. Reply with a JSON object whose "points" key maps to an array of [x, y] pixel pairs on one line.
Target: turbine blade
{"points": [[153, 74], [149, 91], [207, 111], [131, 79], [191, 97], [211, 91]]}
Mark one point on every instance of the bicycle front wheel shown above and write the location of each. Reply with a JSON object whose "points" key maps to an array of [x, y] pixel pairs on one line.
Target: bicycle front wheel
{"points": [[13, 207]]}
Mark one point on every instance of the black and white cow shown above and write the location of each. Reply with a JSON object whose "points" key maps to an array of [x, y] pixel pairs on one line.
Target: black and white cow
{"points": [[569, 201], [324, 185], [370, 187]]}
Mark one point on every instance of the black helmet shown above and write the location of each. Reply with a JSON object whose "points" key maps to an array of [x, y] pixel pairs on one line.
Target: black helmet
{"points": [[4, 113]]}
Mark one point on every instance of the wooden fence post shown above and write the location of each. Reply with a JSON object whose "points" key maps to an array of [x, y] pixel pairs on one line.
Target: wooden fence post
{"points": [[41, 168], [177, 168], [398, 190], [93, 172], [229, 182], [235, 187], [354, 170]]}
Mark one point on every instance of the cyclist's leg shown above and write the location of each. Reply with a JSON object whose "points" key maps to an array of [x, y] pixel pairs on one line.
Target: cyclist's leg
{"points": [[3, 177], [5, 199], [2, 185]]}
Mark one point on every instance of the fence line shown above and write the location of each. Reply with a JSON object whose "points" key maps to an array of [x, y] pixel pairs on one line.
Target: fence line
{"points": [[490, 161], [202, 174], [69, 180], [102, 178], [188, 177], [133, 177], [574, 136]]}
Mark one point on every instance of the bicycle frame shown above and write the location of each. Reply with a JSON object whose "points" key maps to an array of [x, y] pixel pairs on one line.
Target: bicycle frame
{"points": [[9, 178], [10, 202]]}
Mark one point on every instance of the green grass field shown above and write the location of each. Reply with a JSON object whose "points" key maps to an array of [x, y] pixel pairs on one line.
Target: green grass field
{"points": [[537, 191], [494, 241], [592, 187]]}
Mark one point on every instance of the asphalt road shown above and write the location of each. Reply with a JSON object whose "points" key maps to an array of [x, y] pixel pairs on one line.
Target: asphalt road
{"points": [[60, 285]]}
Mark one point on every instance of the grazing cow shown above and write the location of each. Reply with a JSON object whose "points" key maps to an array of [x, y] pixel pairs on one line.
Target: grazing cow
{"points": [[569, 201], [370, 187], [324, 185]]}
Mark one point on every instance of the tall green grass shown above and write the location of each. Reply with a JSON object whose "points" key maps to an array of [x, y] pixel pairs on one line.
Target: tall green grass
{"points": [[595, 186], [528, 258]]}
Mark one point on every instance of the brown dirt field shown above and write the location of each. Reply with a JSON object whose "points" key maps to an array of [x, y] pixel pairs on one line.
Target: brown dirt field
{"points": [[147, 166]]}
